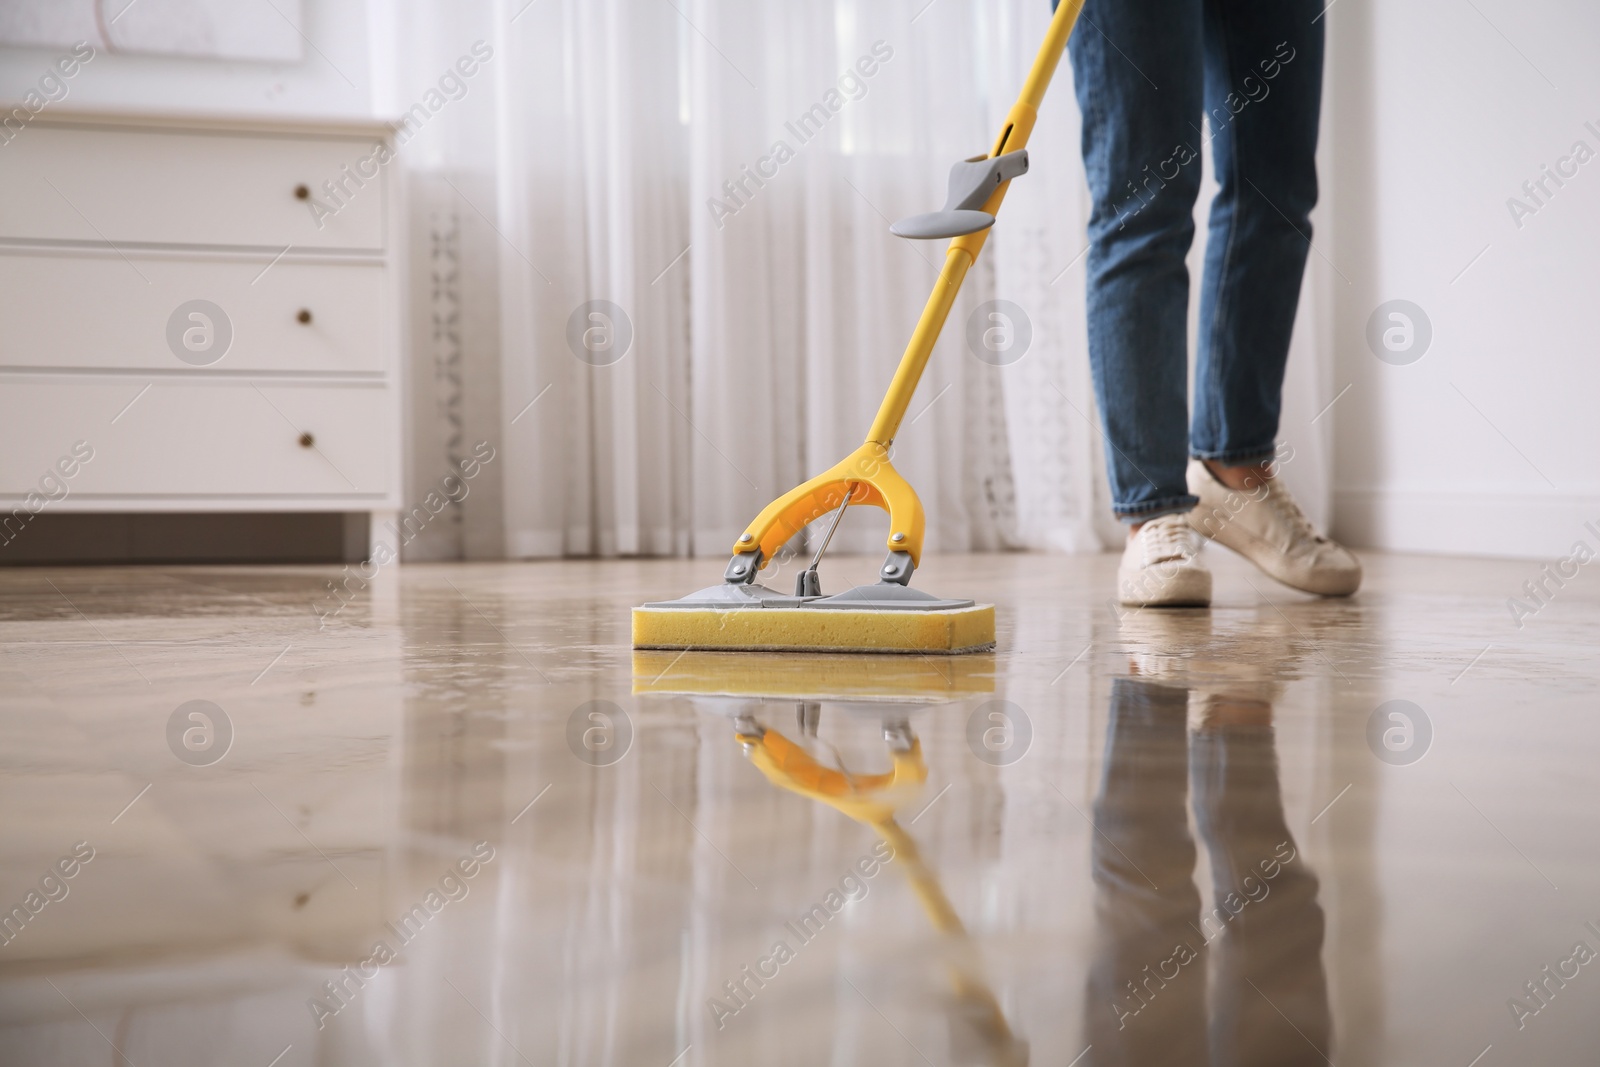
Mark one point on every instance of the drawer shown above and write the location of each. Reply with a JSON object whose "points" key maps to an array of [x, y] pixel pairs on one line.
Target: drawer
{"points": [[133, 186], [104, 311], [193, 439]]}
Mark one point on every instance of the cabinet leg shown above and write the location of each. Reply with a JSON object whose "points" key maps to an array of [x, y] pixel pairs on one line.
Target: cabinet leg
{"points": [[380, 532], [385, 588]]}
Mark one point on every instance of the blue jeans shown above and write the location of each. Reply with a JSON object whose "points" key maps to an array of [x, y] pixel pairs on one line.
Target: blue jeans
{"points": [[1155, 79]]}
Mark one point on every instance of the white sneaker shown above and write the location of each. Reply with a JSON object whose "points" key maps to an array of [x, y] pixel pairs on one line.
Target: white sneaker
{"points": [[1161, 566], [1266, 527]]}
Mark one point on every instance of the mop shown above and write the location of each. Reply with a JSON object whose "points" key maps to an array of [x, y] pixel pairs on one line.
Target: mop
{"points": [[888, 616]]}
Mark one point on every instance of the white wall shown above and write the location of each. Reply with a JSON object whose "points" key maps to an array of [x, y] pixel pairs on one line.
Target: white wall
{"points": [[1441, 109]]}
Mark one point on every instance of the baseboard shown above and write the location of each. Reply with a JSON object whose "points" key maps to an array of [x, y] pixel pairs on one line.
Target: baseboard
{"points": [[59, 538], [1511, 525]]}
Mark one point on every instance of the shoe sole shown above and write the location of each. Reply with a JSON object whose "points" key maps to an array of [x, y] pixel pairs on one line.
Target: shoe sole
{"points": [[1188, 589], [1265, 561]]}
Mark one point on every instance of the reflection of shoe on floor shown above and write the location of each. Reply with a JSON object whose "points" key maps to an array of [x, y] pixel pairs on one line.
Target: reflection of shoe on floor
{"points": [[1161, 567], [1161, 645], [1229, 669], [1266, 527]]}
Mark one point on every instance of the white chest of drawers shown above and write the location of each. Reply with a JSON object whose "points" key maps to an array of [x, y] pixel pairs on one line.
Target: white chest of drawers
{"points": [[211, 307]]}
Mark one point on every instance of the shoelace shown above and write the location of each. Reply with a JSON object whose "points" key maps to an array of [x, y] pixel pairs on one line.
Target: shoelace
{"points": [[1167, 537], [1287, 509]]}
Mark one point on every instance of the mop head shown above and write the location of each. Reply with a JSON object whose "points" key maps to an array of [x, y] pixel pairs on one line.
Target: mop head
{"points": [[870, 618]]}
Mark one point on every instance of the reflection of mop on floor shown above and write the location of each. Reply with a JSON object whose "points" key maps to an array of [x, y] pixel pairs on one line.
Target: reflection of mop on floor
{"points": [[890, 686], [873, 800]]}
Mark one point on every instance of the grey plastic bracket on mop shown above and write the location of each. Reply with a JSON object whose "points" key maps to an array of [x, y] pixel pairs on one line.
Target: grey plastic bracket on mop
{"points": [[896, 569], [971, 183], [880, 596], [742, 568]]}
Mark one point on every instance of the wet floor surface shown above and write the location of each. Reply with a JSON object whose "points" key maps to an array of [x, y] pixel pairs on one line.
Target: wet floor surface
{"points": [[457, 821]]}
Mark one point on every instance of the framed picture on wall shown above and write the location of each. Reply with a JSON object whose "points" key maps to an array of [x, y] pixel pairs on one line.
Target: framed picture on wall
{"points": [[269, 31]]}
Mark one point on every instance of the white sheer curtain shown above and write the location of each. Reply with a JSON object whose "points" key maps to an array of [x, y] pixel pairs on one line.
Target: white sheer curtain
{"points": [[583, 165]]}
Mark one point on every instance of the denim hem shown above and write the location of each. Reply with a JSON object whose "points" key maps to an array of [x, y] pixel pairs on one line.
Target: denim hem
{"points": [[1237, 457], [1172, 505]]}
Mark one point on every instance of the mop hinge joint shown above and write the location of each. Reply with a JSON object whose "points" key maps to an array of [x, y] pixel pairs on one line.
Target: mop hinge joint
{"points": [[897, 568], [742, 568]]}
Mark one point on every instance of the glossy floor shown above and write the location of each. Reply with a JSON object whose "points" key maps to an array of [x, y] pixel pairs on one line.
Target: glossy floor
{"points": [[456, 821]]}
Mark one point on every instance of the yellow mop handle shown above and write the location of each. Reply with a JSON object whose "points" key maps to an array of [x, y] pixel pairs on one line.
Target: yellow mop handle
{"points": [[963, 251], [867, 474]]}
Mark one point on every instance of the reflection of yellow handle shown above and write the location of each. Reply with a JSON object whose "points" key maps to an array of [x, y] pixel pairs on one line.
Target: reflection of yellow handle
{"points": [[965, 975], [873, 799], [866, 798]]}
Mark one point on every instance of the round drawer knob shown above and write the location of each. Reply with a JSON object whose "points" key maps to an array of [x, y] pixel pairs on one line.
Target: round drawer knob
{"points": [[302, 192], [303, 317], [306, 440]]}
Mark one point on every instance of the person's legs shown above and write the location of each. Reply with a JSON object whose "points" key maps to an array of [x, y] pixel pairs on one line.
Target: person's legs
{"points": [[1136, 65], [1263, 93]]}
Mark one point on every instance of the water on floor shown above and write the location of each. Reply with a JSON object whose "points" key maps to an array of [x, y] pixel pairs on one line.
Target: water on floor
{"points": [[448, 817]]}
